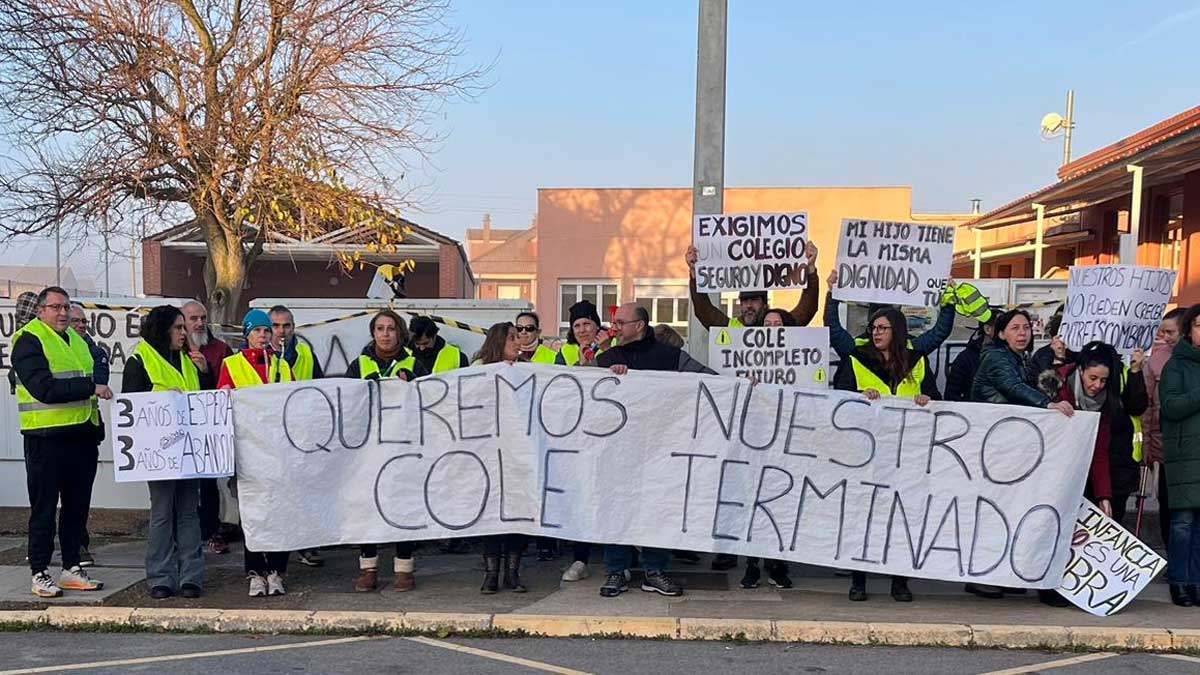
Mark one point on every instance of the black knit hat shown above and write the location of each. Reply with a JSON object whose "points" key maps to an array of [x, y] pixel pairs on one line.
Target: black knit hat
{"points": [[750, 295], [584, 309]]}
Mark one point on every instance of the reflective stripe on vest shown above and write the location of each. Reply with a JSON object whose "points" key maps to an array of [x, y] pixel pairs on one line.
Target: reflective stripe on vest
{"points": [[368, 367], [303, 370], [67, 359], [866, 379], [543, 354], [163, 375], [1137, 422], [244, 375], [448, 358]]}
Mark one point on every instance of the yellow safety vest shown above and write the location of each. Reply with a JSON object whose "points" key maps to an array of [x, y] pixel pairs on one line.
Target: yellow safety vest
{"points": [[163, 375], [449, 358], [543, 354], [736, 323], [303, 370], [909, 387], [68, 359], [1137, 422], [571, 354], [244, 375], [368, 367], [969, 302]]}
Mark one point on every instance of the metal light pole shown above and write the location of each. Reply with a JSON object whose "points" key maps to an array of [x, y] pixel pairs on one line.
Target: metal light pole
{"points": [[708, 183], [1068, 127]]}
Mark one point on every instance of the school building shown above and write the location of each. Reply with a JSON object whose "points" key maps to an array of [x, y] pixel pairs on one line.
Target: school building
{"points": [[1141, 192], [614, 245]]}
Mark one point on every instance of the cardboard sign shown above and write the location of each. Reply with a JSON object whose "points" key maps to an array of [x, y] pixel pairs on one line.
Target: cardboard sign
{"points": [[893, 263], [1118, 304], [954, 491], [1109, 566], [168, 435], [751, 251], [772, 355]]}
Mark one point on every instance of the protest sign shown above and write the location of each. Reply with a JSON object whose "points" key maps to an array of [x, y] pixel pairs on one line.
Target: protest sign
{"points": [[772, 354], [894, 263], [168, 435], [750, 251], [1108, 566], [1118, 304], [964, 492]]}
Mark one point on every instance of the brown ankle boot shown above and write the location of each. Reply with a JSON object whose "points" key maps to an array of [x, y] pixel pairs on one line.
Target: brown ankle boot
{"points": [[404, 582], [367, 580]]}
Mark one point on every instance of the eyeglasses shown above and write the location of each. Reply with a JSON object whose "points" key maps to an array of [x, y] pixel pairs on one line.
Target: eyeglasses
{"points": [[79, 322], [57, 307], [526, 329], [881, 328]]}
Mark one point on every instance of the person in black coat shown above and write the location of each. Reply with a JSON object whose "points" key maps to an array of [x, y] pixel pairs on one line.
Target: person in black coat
{"points": [[962, 370]]}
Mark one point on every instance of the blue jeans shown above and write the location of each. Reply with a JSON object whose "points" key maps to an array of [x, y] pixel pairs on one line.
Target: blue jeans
{"points": [[173, 550], [1183, 551], [618, 558]]}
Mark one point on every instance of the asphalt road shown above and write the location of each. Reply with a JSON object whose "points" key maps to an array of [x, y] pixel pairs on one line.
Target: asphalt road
{"points": [[104, 653]]}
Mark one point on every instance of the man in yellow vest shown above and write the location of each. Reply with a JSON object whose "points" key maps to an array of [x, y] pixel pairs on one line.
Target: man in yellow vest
{"points": [[529, 339], [298, 355], [60, 422], [433, 353]]}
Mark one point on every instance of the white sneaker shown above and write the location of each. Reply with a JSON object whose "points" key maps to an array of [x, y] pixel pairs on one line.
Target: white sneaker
{"points": [[76, 579], [275, 584], [577, 571], [258, 585], [43, 586]]}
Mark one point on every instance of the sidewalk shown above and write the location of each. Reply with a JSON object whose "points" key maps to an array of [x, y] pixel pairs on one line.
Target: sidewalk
{"points": [[447, 596]]}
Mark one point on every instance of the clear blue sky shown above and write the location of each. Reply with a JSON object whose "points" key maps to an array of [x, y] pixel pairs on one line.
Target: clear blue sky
{"points": [[943, 96]]}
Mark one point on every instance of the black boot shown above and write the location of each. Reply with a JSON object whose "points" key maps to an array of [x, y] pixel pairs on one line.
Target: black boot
{"points": [[1193, 592], [512, 572], [900, 592], [858, 586], [1180, 595], [491, 574], [1052, 598]]}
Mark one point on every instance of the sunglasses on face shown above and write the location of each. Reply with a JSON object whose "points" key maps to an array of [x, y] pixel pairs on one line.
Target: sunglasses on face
{"points": [[526, 329]]}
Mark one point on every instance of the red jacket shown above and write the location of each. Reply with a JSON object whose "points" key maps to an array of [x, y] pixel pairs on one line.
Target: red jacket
{"points": [[256, 357], [1099, 477]]}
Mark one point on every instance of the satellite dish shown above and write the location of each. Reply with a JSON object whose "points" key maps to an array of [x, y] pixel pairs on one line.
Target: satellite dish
{"points": [[1052, 123]]}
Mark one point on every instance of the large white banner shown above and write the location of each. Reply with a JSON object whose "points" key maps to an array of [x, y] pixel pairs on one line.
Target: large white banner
{"points": [[169, 435], [963, 491], [1118, 304], [750, 251], [772, 354], [894, 263]]}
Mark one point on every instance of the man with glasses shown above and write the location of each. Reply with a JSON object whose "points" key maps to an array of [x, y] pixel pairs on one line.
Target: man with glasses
{"points": [[638, 350], [529, 339], [60, 422], [100, 372]]}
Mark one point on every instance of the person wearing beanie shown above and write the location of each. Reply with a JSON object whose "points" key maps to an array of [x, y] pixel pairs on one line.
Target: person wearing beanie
{"points": [[585, 339], [23, 313], [258, 364], [432, 352]]}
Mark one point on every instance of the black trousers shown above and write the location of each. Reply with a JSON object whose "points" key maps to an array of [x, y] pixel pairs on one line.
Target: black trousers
{"points": [[265, 563], [58, 468], [210, 507], [507, 543], [85, 539], [404, 550]]}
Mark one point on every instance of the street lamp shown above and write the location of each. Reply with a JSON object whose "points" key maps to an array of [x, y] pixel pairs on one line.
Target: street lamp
{"points": [[1054, 124]]}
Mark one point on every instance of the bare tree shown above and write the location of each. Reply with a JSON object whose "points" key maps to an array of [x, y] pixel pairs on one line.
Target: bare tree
{"points": [[254, 115]]}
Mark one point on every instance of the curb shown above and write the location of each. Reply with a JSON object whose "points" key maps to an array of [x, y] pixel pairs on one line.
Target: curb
{"points": [[1086, 638]]}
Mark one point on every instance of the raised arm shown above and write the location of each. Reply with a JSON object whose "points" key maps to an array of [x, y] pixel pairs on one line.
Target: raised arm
{"points": [[930, 340], [806, 309], [841, 341]]}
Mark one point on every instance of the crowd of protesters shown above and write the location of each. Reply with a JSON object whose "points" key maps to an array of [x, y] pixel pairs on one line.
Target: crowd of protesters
{"points": [[1149, 416]]}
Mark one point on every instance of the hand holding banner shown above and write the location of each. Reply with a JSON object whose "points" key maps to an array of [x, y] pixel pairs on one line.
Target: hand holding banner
{"points": [[168, 435], [894, 263], [1118, 304], [750, 251], [772, 354]]}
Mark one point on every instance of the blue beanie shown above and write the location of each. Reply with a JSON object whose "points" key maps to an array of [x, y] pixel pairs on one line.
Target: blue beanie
{"points": [[255, 318]]}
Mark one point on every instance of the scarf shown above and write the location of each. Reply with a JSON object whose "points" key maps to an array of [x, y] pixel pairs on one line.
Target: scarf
{"points": [[1082, 400]]}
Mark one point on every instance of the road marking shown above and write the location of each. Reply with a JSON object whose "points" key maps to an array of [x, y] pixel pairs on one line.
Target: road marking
{"points": [[1039, 667], [1180, 657], [495, 656], [182, 657]]}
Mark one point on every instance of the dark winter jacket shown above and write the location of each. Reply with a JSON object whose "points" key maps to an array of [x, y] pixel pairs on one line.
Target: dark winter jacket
{"points": [[650, 354], [1044, 359], [1179, 396], [353, 371], [846, 380], [1005, 377], [427, 357], [1114, 473], [961, 374], [100, 369]]}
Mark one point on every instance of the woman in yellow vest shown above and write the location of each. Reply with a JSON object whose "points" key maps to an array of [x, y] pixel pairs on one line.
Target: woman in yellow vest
{"points": [[383, 358], [501, 551], [584, 338], [884, 365], [174, 553], [529, 334], [258, 364]]}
